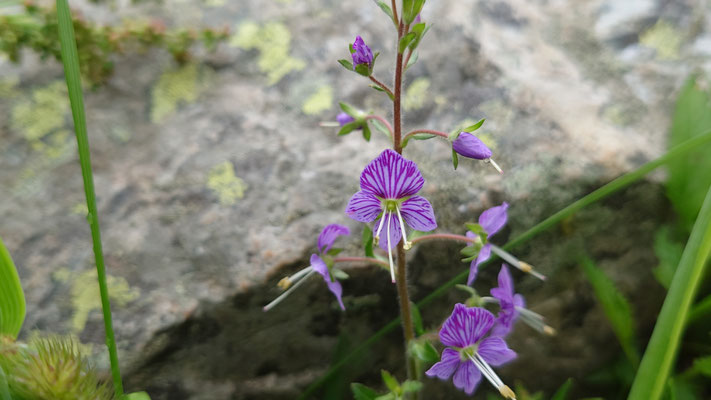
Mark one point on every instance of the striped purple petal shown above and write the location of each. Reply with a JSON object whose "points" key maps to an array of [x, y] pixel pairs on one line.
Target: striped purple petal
{"points": [[484, 255], [495, 351], [395, 232], [334, 286], [418, 214], [465, 326], [446, 366], [329, 234], [390, 176], [363, 207], [467, 377], [493, 219]]}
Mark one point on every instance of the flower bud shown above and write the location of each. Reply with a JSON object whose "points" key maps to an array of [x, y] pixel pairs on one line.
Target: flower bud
{"points": [[471, 146]]}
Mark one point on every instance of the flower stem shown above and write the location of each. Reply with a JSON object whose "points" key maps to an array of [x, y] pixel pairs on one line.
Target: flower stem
{"points": [[430, 131], [397, 134], [383, 120], [405, 312], [382, 86]]}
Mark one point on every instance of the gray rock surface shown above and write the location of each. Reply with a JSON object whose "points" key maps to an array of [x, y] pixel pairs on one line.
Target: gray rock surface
{"points": [[214, 180]]}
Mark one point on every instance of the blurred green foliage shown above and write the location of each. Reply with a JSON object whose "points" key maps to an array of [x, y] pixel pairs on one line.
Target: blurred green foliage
{"points": [[36, 29]]}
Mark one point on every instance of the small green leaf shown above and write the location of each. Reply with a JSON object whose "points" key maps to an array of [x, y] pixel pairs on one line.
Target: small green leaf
{"points": [[703, 365], [362, 69], [137, 396], [616, 308], [346, 64], [348, 128], [466, 288], [378, 88], [455, 159], [350, 48], [334, 251], [474, 127], [388, 396], [425, 351], [4, 388], [386, 9], [422, 136], [12, 299], [366, 132], [339, 274], [562, 392], [368, 241], [380, 127], [411, 386], [349, 109], [405, 41], [417, 319], [669, 253], [362, 392], [390, 381]]}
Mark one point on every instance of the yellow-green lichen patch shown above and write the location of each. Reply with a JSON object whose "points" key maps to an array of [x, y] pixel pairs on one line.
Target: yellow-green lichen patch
{"points": [[225, 184], [664, 38], [85, 294], [176, 86], [8, 87], [43, 113], [320, 101], [80, 209], [416, 94], [273, 41]]}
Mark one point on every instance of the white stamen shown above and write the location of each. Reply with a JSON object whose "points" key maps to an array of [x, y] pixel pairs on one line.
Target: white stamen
{"points": [[390, 251], [406, 245], [491, 376], [525, 267], [494, 164], [329, 124], [377, 234], [302, 275], [535, 321]]}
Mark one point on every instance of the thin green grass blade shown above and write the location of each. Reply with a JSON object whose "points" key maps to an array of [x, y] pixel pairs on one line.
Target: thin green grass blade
{"points": [[700, 310], [12, 299], [70, 60], [661, 351], [604, 191]]}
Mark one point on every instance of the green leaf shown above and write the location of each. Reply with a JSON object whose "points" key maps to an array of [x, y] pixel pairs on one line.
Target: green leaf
{"points": [[368, 241], [405, 41], [348, 128], [346, 64], [362, 392], [455, 159], [562, 392], [703, 365], [417, 319], [380, 127], [388, 396], [334, 251], [349, 109], [390, 381], [668, 252], [424, 351], [12, 299], [378, 88], [4, 388], [137, 396], [662, 348], [689, 176], [615, 306], [474, 127], [422, 136], [419, 30], [411, 386], [413, 59], [366, 132], [386, 9], [339, 274], [362, 69]]}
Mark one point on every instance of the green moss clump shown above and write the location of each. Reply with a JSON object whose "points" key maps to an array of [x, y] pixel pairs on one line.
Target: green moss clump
{"points": [[226, 185]]}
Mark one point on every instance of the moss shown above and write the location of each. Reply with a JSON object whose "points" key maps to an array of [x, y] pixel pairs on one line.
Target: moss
{"points": [[273, 41], [176, 86], [416, 94], [664, 38], [43, 113], [225, 184], [321, 100], [85, 294]]}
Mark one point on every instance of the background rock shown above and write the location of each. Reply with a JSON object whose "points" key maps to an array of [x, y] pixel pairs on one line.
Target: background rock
{"points": [[214, 180]]}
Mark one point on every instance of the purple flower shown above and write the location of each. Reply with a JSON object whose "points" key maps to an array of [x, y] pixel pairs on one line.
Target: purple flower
{"points": [[491, 220], [344, 118], [362, 53], [389, 185], [318, 265], [470, 352], [509, 303], [471, 146]]}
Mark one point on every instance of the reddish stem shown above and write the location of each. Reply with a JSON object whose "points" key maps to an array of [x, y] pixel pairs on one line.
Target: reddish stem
{"points": [[382, 85], [383, 120], [430, 131]]}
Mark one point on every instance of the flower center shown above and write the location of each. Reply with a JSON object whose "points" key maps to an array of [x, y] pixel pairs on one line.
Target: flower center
{"points": [[468, 353], [390, 205]]}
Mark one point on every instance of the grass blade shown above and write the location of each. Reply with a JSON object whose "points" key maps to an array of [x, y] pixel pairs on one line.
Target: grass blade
{"points": [[604, 191], [12, 299], [70, 60], [661, 351]]}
